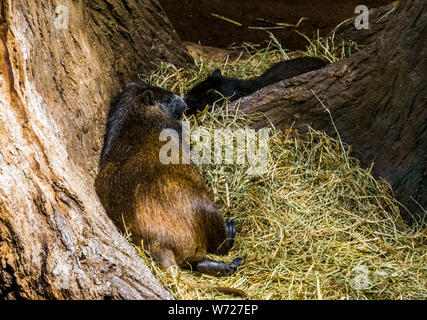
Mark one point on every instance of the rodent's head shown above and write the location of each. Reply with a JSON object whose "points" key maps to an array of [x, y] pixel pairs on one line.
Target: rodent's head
{"points": [[167, 101], [206, 92], [144, 104]]}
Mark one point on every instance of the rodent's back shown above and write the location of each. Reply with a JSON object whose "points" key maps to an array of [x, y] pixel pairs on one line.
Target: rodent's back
{"points": [[165, 205], [162, 204], [289, 69]]}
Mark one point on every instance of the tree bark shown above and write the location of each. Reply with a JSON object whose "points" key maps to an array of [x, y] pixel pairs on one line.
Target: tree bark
{"points": [[56, 241], [377, 99]]}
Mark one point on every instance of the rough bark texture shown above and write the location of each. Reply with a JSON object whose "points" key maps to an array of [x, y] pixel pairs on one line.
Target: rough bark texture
{"points": [[378, 101], [378, 20], [56, 241]]}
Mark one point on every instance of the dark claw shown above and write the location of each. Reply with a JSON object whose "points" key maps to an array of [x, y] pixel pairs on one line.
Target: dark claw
{"points": [[231, 228]]}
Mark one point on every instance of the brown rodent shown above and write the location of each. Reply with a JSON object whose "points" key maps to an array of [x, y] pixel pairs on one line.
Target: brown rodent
{"points": [[168, 207]]}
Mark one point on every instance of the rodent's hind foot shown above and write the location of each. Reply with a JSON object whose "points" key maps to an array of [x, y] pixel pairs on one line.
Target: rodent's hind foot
{"points": [[217, 268]]}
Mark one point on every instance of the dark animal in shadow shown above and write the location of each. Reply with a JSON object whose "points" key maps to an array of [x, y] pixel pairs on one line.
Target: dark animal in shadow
{"points": [[167, 206], [216, 87]]}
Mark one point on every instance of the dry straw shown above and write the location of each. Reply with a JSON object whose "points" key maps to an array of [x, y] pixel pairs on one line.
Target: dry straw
{"points": [[315, 225]]}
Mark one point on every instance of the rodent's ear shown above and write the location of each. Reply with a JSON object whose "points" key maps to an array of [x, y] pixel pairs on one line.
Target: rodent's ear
{"points": [[217, 74], [148, 97]]}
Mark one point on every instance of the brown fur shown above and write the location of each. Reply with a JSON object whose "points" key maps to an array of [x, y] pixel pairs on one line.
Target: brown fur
{"points": [[166, 206]]}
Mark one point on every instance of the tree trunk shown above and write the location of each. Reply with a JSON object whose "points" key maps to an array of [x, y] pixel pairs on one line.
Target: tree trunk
{"points": [[56, 80], [377, 99]]}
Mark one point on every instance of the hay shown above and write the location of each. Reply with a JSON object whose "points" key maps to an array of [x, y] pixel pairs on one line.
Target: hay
{"points": [[328, 48], [315, 226]]}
